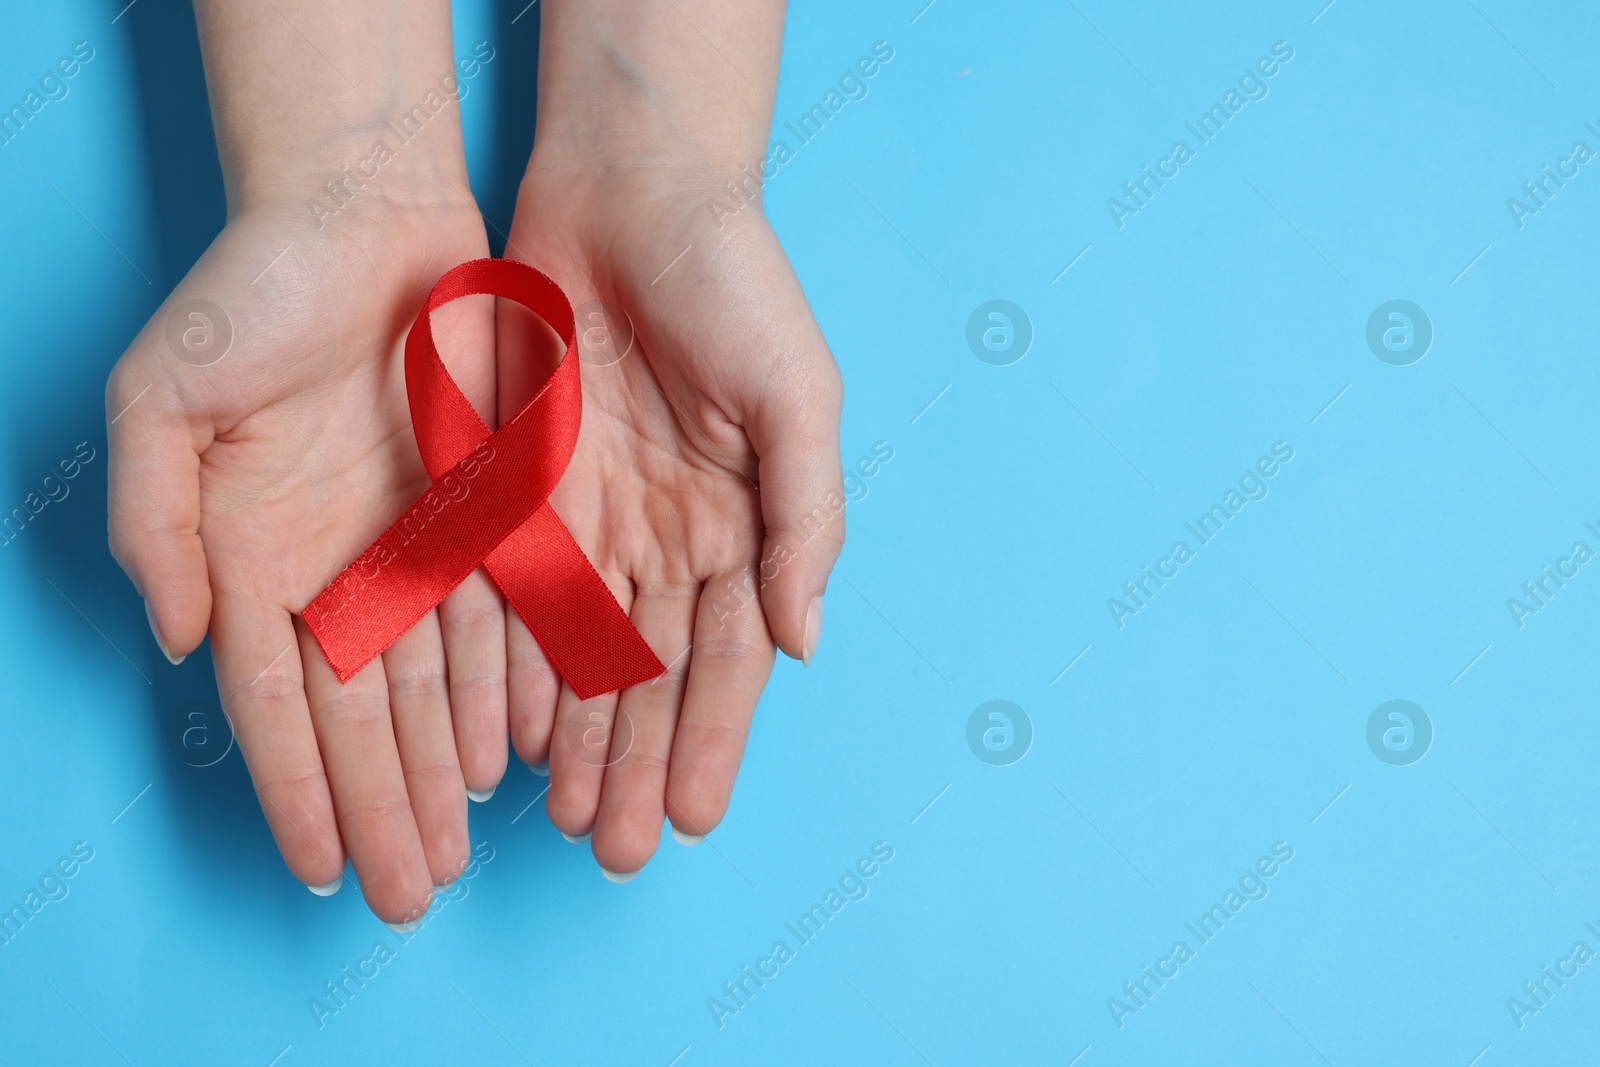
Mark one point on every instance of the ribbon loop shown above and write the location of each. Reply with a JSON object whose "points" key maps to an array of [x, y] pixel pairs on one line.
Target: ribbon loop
{"points": [[487, 506]]}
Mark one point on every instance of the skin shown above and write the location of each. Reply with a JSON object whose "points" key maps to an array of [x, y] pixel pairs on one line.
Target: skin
{"points": [[705, 450], [239, 489]]}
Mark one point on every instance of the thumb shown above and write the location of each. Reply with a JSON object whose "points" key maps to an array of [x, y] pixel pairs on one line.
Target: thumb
{"points": [[154, 507], [795, 434]]}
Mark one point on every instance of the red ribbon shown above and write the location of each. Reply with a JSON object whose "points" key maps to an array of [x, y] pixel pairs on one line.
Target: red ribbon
{"points": [[487, 506]]}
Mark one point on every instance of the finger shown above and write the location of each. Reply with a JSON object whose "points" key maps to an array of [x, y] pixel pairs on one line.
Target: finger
{"points": [[581, 745], [794, 430], [580, 748], [259, 679], [733, 654], [356, 736], [633, 795], [472, 619], [526, 349], [532, 688], [420, 704], [154, 506]]}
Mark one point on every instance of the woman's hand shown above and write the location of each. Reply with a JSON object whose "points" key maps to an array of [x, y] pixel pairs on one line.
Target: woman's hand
{"points": [[706, 487], [261, 437], [240, 487]]}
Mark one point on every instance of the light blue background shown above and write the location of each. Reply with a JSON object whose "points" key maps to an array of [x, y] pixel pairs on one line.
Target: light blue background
{"points": [[1224, 717]]}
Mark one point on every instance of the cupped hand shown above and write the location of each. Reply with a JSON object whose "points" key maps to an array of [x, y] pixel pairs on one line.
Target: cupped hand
{"points": [[706, 488], [241, 485]]}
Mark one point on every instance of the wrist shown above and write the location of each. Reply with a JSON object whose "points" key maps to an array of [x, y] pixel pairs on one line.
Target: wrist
{"points": [[624, 85], [374, 101], [391, 222], [373, 175], [406, 147]]}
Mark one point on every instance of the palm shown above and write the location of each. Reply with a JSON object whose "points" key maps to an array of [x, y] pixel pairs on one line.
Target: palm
{"points": [[312, 454], [660, 502], [663, 495], [288, 455]]}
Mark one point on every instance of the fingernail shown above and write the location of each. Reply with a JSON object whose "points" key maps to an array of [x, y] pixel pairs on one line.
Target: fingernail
{"points": [[327, 890], [808, 641], [156, 632], [542, 770], [576, 840], [405, 928], [689, 840], [613, 876], [478, 796]]}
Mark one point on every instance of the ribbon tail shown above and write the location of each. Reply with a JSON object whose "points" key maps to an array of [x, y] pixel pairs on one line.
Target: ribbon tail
{"points": [[569, 609]]}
